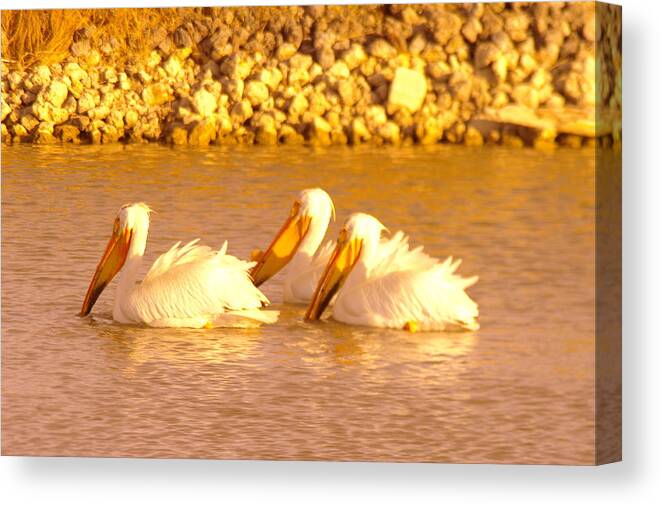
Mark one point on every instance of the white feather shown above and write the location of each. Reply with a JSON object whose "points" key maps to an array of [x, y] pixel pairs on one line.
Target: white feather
{"points": [[190, 285], [398, 285]]}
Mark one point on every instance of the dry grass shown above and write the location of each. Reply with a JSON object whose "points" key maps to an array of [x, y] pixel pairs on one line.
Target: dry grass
{"points": [[44, 36]]}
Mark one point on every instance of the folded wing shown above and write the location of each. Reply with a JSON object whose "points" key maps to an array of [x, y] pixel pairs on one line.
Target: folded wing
{"points": [[193, 281]]}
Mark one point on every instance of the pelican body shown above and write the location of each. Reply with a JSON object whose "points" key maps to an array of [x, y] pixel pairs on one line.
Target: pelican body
{"points": [[384, 283], [299, 245], [188, 286]]}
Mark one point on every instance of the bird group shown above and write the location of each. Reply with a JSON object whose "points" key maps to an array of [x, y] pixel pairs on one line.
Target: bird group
{"points": [[365, 277]]}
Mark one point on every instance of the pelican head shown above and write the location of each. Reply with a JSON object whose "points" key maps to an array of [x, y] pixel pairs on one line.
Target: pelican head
{"points": [[132, 219], [308, 219], [359, 232]]}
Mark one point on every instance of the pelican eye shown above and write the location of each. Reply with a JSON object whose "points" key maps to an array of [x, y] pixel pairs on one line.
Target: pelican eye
{"points": [[115, 226]]}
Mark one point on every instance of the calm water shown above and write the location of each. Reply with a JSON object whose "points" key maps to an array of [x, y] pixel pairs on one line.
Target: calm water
{"points": [[518, 390]]}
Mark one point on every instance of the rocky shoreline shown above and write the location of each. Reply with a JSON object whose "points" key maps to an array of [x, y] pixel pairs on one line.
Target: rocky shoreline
{"points": [[538, 74]]}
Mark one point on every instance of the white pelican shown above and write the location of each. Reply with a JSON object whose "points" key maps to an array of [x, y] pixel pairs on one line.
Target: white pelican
{"points": [[299, 243], [384, 283], [188, 286]]}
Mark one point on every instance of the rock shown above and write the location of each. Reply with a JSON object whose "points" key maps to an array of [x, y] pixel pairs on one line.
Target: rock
{"points": [[472, 29], [354, 56], [325, 56], [59, 115], [408, 89], [256, 92], [446, 25], [237, 67], [29, 122], [320, 131], [340, 70], [516, 26], [4, 109], [156, 94], [41, 76], [233, 88], [19, 131], [182, 38], [44, 134], [289, 135], [380, 48], [86, 102], [390, 132], [204, 102], [348, 93], [298, 105], [417, 44], [15, 80], [359, 132], [298, 76], [375, 115], [93, 58], [100, 112], [172, 66], [241, 112], [485, 54], [267, 134], [80, 49], [286, 51], [203, 133], [67, 133], [473, 137], [526, 95], [499, 68], [56, 93], [74, 72], [130, 118], [271, 77]]}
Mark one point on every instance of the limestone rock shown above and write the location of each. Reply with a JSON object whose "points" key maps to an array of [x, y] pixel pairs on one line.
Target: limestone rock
{"points": [[67, 133], [256, 92], [241, 111], [204, 102], [172, 66], [298, 105], [408, 89], [380, 48], [156, 94], [354, 56], [202, 133], [44, 134], [286, 51], [56, 93], [390, 132]]}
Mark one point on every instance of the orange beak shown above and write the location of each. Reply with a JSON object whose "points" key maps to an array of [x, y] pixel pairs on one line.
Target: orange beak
{"points": [[111, 262], [339, 267], [283, 247]]}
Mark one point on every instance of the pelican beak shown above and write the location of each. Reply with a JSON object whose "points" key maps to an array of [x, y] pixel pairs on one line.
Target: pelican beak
{"points": [[339, 266], [111, 262], [283, 247]]}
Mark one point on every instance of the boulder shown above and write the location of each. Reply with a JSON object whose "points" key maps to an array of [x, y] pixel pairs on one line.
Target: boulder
{"points": [[204, 102], [380, 48], [202, 133], [156, 94], [172, 66], [286, 51], [56, 93], [256, 92], [408, 89]]}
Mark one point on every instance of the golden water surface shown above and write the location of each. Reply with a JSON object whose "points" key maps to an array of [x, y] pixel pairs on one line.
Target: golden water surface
{"points": [[518, 390]]}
